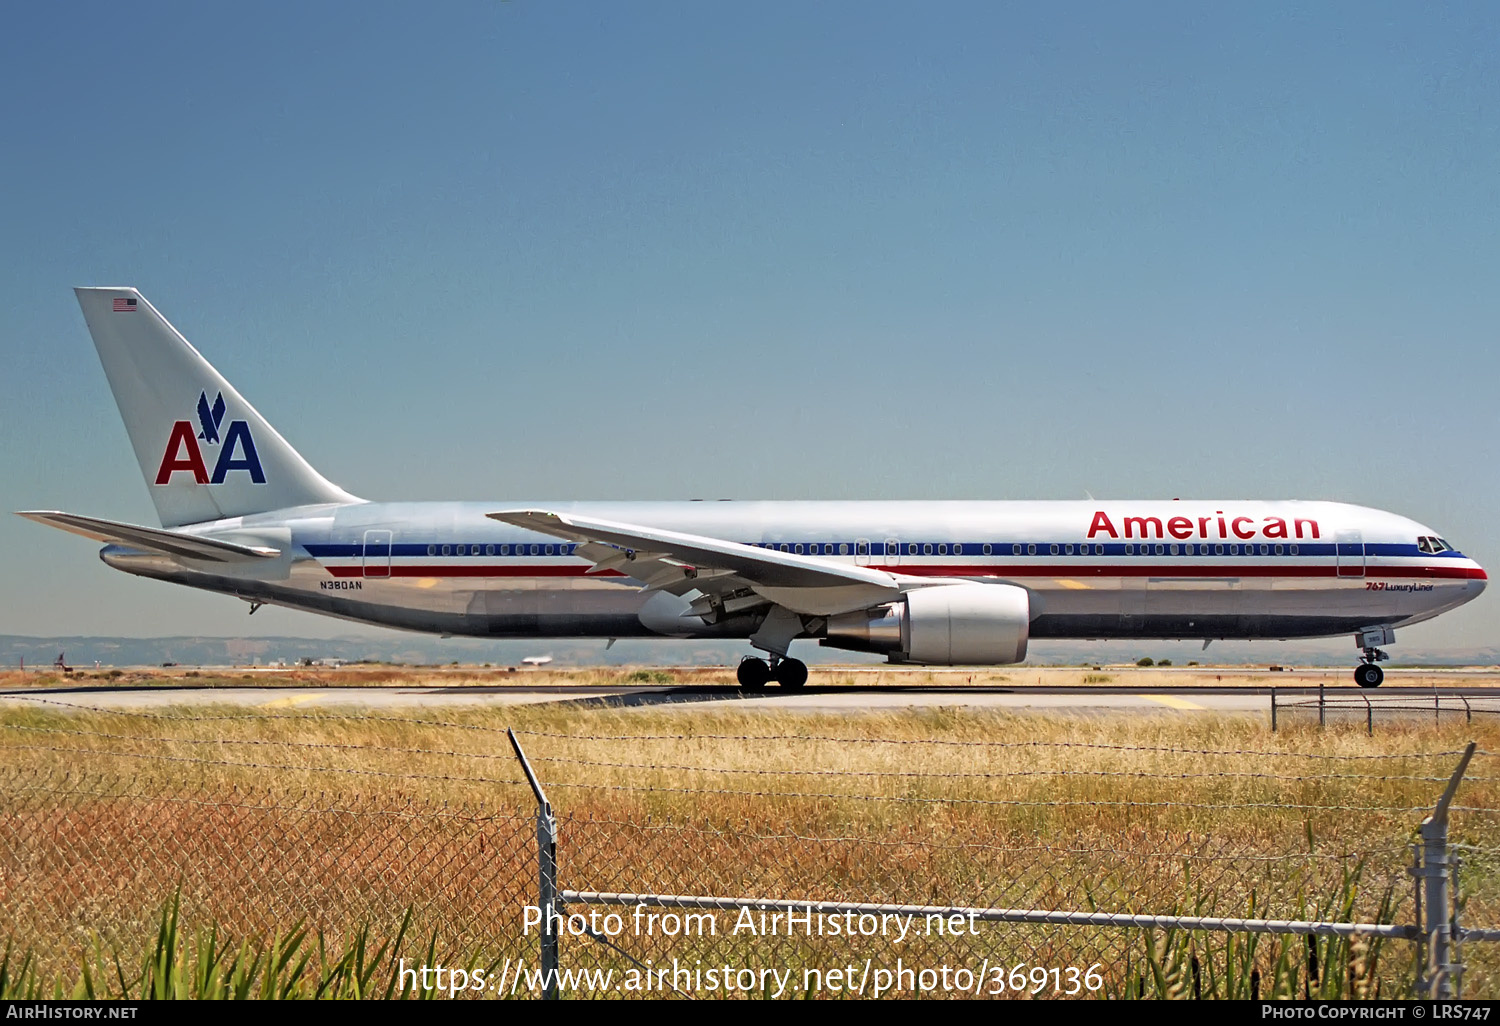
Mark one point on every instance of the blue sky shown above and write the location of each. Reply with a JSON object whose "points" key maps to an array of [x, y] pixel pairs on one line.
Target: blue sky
{"points": [[531, 251]]}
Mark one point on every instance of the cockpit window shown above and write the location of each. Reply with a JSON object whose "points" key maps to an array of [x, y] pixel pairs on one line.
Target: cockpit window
{"points": [[1431, 544]]}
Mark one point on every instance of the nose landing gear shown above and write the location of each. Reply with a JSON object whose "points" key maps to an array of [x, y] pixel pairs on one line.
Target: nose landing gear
{"points": [[754, 674], [1368, 673]]}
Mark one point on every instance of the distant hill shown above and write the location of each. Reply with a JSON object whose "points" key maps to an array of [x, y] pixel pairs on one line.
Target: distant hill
{"points": [[84, 651]]}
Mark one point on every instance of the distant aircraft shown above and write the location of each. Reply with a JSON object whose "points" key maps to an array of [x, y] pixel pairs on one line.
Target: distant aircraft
{"points": [[537, 660], [940, 583]]}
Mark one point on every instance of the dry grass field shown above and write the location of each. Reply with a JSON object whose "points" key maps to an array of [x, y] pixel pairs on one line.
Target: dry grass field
{"points": [[265, 818]]}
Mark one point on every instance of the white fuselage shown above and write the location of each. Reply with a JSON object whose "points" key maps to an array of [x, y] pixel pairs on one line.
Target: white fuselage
{"points": [[1178, 569]]}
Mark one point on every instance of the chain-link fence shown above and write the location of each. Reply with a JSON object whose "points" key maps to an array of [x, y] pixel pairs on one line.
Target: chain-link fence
{"points": [[935, 858], [1393, 708], [92, 858], [1295, 884]]}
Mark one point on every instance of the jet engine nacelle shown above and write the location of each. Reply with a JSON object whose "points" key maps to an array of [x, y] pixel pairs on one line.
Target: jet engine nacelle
{"points": [[943, 625]]}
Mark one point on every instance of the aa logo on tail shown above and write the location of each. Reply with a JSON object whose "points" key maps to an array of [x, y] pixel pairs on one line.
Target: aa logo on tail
{"points": [[184, 454], [210, 418]]}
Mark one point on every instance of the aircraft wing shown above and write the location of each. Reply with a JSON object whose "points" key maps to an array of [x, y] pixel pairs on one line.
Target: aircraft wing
{"points": [[151, 539], [679, 563]]}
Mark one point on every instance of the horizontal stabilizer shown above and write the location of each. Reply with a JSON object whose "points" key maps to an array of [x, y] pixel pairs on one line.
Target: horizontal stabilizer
{"points": [[152, 539]]}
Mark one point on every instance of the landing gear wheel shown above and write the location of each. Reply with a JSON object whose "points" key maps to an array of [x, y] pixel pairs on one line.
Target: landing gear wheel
{"points": [[753, 674], [1368, 675], [791, 673]]}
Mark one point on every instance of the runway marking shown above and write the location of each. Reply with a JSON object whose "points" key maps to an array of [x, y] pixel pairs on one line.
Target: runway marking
{"points": [[281, 703], [1174, 702]]}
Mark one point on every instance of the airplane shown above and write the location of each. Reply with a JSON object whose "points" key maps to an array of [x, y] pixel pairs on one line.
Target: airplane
{"points": [[926, 582], [536, 660]]}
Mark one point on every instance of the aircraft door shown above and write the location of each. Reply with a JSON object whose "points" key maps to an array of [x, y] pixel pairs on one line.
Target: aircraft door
{"points": [[862, 552], [892, 552], [1350, 556], [377, 555]]}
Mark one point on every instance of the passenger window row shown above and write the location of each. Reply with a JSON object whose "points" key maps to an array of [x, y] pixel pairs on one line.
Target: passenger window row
{"points": [[1204, 549], [502, 550], [809, 548], [1066, 549], [1058, 550]]}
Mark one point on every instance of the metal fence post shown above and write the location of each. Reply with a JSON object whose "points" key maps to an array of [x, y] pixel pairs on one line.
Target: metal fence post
{"points": [[546, 845], [1437, 898], [1273, 710], [1421, 941], [1322, 720], [1457, 935]]}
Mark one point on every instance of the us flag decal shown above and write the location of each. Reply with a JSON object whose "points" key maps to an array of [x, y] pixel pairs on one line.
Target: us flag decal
{"points": [[125, 306]]}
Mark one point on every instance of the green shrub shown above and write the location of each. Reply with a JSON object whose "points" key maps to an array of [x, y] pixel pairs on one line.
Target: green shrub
{"points": [[649, 677]]}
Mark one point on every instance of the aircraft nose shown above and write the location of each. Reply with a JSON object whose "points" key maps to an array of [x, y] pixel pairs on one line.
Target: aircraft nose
{"points": [[1477, 581]]}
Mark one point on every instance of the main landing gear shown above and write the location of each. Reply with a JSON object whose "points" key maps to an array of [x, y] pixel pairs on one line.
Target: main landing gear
{"points": [[754, 674], [1368, 673]]}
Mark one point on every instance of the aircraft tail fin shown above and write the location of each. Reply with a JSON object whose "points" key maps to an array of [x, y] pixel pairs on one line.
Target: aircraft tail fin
{"points": [[205, 452]]}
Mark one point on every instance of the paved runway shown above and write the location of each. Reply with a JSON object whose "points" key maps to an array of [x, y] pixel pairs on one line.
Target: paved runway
{"points": [[1076, 700]]}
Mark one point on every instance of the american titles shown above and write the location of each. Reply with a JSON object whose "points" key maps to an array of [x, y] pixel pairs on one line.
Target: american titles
{"points": [[1219, 525]]}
